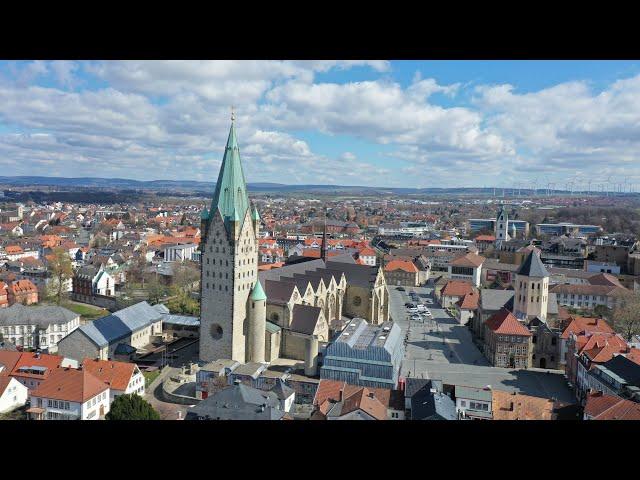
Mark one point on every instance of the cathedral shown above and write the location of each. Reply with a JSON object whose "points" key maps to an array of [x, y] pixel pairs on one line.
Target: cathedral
{"points": [[289, 312]]}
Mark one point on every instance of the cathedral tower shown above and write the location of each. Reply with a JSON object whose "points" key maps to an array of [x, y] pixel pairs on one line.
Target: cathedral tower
{"points": [[229, 267]]}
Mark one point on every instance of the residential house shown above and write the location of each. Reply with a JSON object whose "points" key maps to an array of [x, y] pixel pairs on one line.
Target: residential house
{"points": [[466, 308], [335, 400], [619, 376], [123, 378], [425, 400], [467, 267], [601, 406], [580, 326], [453, 291], [23, 292], [238, 402], [29, 368], [591, 351], [13, 394], [518, 406], [70, 394], [473, 403]]}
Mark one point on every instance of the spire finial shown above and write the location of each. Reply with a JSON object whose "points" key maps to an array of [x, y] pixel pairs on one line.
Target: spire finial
{"points": [[233, 114]]}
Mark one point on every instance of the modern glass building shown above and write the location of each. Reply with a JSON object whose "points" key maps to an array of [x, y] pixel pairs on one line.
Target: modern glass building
{"points": [[366, 355], [566, 228]]}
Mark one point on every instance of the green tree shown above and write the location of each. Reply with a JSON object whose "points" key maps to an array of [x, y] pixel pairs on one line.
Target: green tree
{"points": [[131, 407], [61, 270]]}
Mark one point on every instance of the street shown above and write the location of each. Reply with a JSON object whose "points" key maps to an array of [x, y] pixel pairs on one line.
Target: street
{"points": [[440, 339], [443, 349]]}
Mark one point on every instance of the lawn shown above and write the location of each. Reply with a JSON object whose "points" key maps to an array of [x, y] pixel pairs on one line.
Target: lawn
{"points": [[87, 312], [150, 377]]}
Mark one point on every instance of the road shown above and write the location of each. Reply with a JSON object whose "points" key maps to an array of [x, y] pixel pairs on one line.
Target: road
{"points": [[439, 340], [443, 349]]}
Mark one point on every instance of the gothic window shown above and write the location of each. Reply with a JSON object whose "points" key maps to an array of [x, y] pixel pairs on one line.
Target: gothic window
{"points": [[357, 301], [227, 262]]}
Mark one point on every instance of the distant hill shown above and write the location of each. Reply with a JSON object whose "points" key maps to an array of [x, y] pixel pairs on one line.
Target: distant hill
{"points": [[192, 185]]}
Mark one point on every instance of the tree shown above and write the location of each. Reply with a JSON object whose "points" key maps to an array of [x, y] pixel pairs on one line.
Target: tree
{"points": [[131, 407], [61, 270], [626, 317], [155, 289], [602, 311]]}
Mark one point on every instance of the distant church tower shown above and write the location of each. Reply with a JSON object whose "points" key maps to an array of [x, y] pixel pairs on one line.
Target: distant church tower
{"points": [[232, 301], [531, 294], [502, 227]]}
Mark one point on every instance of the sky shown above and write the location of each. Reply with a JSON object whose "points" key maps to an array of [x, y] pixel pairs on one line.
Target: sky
{"points": [[372, 122]]}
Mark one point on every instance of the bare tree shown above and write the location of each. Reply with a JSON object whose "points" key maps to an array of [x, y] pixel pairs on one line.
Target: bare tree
{"points": [[626, 317], [61, 270]]}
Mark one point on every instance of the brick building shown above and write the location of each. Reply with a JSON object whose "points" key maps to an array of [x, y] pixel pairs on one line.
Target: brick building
{"points": [[507, 343]]}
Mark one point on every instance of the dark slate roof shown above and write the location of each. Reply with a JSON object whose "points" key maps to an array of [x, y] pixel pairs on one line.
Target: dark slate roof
{"points": [[432, 406], [278, 291], [360, 275], [495, 299], [533, 267], [314, 280], [40, 315], [305, 318], [88, 272], [413, 385], [238, 402], [118, 325], [625, 369], [288, 270], [282, 391]]}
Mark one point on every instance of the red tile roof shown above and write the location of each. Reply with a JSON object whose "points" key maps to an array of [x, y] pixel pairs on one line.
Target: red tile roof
{"points": [[601, 406], [517, 406], [583, 325], [32, 359], [605, 279], [504, 323], [403, 265], [13, 249], [116, 374], [468, 260], [469, 301], [71, 385], [485, 238], [23, 286], [456, 288], [9, 359]]}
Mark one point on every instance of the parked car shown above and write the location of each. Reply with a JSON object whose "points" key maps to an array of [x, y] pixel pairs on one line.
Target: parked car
{"points": [[400, 289], [421, 307], [416, 318], [428, 313], [413, 310], [429, 301]]}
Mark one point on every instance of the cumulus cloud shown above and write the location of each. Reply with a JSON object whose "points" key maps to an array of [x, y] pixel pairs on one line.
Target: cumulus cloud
{"points": [[174, 116]]}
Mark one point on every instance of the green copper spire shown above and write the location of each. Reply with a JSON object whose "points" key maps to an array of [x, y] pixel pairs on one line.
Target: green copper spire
{"points": [[230, 196], [254, 214], [258, 293]]}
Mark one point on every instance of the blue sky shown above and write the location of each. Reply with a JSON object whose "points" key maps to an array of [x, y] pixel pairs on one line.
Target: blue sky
{"points": [[384, 123]]}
